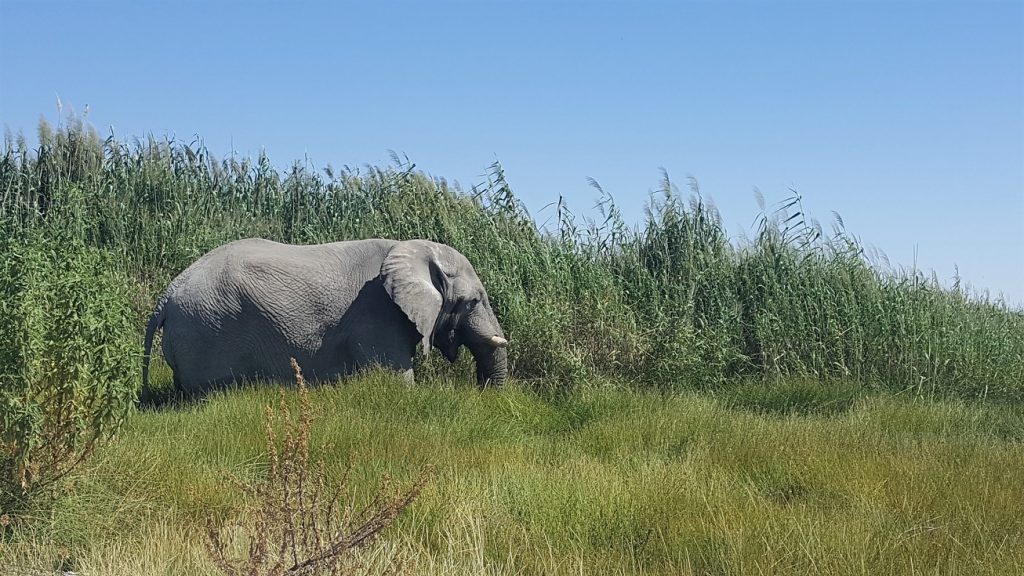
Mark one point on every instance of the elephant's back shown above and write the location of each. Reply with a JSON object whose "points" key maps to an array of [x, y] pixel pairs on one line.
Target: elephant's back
{"points": [[256, 261], [262, 251], [294, 283]]}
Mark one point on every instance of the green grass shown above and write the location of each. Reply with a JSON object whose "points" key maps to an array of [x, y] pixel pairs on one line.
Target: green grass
{"points": [[604, 480]]}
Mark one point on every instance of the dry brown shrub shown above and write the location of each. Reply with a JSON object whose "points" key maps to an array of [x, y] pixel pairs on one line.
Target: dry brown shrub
{"points": [[299, 524]]}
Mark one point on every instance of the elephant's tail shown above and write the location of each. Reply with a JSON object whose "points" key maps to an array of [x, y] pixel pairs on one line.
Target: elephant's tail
{"points": [[156, 320]]}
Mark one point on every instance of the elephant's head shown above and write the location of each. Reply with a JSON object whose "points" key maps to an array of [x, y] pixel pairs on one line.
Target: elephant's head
{"points": [[441, 294]]}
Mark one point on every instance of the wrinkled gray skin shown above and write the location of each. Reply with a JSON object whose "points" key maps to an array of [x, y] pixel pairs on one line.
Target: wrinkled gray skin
{"points": [[240, 311]]}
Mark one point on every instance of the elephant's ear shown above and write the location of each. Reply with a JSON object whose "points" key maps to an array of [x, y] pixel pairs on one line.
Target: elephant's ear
{"points": [[415, 281]]}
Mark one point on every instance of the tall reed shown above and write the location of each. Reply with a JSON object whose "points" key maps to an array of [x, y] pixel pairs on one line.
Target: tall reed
{"points": [[672, 303]]}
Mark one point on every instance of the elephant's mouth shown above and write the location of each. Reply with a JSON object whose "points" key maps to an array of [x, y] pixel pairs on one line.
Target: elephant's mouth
{"points": [[449, 345]]}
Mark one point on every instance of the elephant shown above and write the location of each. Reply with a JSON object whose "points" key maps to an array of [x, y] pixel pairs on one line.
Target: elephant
{"points": [[241, 311]]}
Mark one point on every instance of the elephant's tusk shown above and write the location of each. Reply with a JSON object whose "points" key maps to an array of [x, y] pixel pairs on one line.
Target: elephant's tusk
{"points": [[498, 342]]}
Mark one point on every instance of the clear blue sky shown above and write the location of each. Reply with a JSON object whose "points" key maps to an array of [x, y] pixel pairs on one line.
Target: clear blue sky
{"points": [[907, 118]]}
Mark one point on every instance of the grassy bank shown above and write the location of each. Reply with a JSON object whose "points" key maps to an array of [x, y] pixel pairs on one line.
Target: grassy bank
{"points": [[794, 479]]}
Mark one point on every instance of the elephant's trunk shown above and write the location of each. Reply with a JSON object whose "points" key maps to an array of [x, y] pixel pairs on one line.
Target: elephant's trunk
{"points": [[491, 364]]}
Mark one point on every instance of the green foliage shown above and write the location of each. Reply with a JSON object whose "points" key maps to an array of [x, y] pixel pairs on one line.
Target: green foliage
{"points": [[68, 353], [790, 467], [673, 303]]}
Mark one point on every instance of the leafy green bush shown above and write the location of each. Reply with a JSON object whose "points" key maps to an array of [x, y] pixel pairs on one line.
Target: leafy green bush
{"points": [[67, 360]]}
